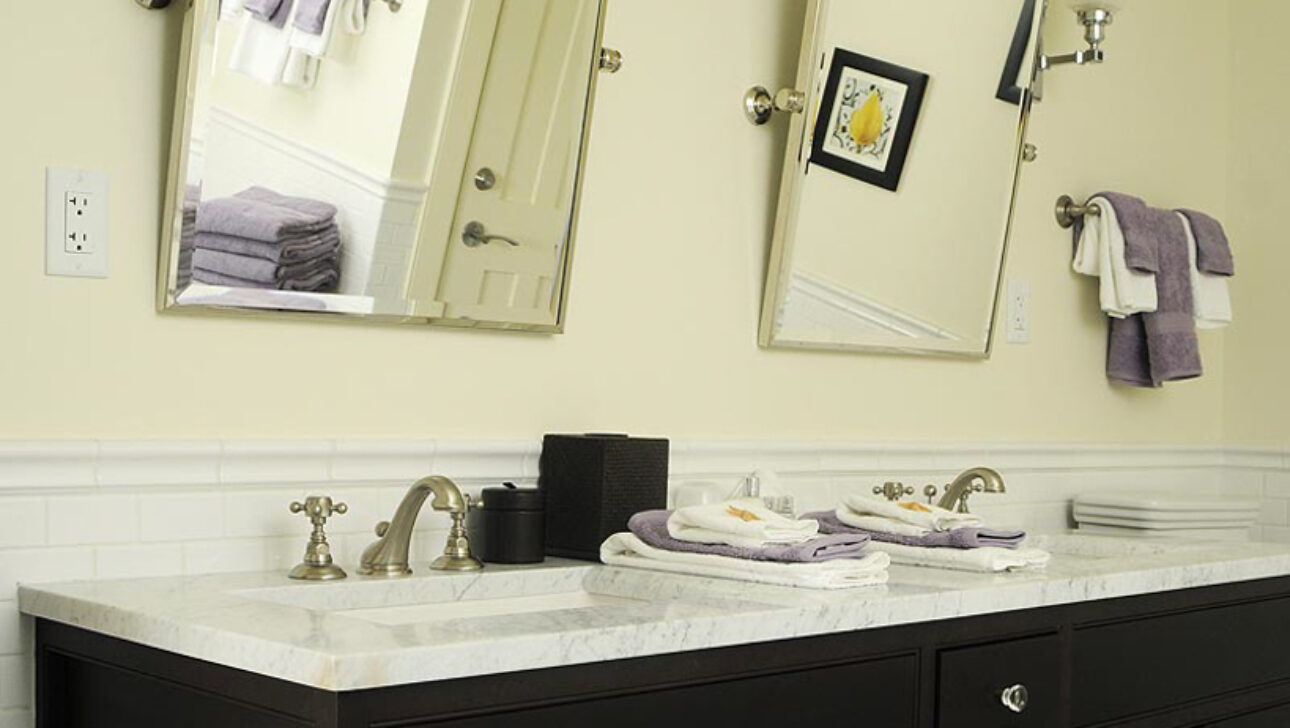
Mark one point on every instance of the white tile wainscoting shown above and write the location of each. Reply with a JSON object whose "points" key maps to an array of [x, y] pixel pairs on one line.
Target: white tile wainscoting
{"points": [[106, 509]]}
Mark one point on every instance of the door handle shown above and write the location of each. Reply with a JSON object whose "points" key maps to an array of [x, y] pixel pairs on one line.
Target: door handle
{"points": [[475, 235]]}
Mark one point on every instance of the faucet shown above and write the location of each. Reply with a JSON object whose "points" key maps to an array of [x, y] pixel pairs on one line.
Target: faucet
{"points": [[388, 555], [957, 492]]}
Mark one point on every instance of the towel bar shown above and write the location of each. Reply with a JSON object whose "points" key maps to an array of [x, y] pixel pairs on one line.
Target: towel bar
{"points": [[1068, 211]]}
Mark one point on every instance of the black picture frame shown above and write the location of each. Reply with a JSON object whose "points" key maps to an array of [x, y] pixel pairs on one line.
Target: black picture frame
{"points": [[915, 83], [1009, 90]]}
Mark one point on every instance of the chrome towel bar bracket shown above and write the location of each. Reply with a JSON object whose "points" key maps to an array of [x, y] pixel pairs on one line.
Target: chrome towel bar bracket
{"points": [[1068, 211]]}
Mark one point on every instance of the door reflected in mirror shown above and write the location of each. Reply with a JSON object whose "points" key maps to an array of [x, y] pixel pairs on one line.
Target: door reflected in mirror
{"points": [[423, 165], [899, 182]]}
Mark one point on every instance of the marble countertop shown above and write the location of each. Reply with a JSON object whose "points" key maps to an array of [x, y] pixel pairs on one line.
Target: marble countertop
{"points": [[366, 632]]}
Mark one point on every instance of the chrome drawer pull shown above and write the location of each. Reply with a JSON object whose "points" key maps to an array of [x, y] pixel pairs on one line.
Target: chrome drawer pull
{"points": [[1015, 698]]}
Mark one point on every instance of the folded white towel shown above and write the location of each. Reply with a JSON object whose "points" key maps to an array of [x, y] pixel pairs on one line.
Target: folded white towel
{"points": [[928, 518], [1212, 302], [625, 549], [1100, 253], [746, 523], [989, 559]]}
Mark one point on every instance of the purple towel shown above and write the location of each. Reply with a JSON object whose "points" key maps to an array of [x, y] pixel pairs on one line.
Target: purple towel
{"points": [[651, 527], [325, 281], [311, 16], [1213, 251], [264, 215], [1141, 237], [1149, 349], [286, 253], [258, 269], [959, 538], [273, 12]]}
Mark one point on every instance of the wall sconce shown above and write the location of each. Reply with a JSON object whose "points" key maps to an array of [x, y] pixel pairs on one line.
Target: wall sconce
{"points": [[1095, 17]]}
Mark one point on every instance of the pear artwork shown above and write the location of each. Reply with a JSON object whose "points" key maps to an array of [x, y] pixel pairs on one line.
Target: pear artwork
{"points": [[867, 121]]}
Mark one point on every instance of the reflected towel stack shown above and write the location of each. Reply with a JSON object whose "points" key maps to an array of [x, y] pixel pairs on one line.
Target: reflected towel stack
{"points": [[261, 239], [188, 235]]}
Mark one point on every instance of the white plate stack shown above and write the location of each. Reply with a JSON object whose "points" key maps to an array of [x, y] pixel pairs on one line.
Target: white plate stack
{"points": [[1160, 515]]}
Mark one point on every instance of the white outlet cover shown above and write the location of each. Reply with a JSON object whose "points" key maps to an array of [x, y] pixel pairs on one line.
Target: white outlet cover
{"points": [[1018, 311], [61, 259]]}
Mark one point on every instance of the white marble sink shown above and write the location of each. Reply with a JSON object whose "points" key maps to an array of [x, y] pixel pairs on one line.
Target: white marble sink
{"points": [[1101, 547], [481, 608]]}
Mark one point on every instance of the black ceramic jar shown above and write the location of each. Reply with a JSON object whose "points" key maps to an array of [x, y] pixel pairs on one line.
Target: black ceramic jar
{"points": [[510, 526]]}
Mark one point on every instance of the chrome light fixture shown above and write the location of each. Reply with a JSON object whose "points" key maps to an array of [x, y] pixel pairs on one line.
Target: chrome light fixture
{"points": [[1095, 17]]}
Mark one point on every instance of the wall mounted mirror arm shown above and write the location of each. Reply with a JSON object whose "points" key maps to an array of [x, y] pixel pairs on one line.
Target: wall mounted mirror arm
{"points": [[760, 105]]}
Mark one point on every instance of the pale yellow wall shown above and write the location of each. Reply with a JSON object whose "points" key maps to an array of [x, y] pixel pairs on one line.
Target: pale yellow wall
{"points": [[1258, 345], [666, 281]]}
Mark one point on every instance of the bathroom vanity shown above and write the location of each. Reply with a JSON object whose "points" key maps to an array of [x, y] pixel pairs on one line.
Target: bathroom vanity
{"points": [[1114, 633]]}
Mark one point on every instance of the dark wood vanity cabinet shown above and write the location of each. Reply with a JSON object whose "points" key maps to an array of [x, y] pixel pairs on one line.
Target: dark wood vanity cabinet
{"points": [[1216, 657]]}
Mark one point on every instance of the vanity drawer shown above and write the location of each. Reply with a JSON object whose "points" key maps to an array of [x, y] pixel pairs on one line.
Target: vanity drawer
{"points": [[883, 691], [1143, 665], [973, 680]]}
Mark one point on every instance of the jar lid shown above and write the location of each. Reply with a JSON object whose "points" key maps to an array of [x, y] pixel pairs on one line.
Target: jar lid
{"points": [[511, 498]]}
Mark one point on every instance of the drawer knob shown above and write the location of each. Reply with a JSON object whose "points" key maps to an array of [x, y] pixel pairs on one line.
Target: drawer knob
{"points": [[1015, 698]]}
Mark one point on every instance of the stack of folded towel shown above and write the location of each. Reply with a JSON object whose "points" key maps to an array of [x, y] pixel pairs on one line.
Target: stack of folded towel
{"points": [[1163, 274], [925, 535], [188, 235], [746, 541], [261, 239]]}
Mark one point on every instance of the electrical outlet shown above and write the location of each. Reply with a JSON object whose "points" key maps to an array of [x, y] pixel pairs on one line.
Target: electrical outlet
{"points": [[1018, 323], [76, 223]]}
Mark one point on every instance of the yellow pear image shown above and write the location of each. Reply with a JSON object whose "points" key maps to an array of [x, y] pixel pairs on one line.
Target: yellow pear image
{"points": [[867, 121]]}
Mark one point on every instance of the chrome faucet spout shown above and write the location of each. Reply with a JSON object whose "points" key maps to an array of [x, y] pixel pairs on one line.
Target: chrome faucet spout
{"points": [[957, 492], [388, 555]]}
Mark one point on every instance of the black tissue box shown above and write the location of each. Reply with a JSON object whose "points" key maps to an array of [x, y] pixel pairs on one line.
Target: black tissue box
{"points": [[593, 484]]}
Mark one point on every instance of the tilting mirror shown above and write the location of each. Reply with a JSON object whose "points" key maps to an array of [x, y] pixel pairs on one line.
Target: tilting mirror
{"points": [[900, 175], [419, 163]]}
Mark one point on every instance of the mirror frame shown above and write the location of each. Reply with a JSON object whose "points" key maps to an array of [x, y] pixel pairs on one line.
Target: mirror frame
{"points": [[177, 171], [796, 158]]}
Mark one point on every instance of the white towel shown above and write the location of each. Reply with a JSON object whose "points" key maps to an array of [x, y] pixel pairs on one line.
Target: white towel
{"points": [[308, 50], [264, 53], [988, 560], [1210, 298], [1100, 253], [745, 523], [856, 507], [625, 549]]}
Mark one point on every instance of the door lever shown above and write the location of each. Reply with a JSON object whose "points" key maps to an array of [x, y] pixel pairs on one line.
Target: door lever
{"points": [[475, 235]]}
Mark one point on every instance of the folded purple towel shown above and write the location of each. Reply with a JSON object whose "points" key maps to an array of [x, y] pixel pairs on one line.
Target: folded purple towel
{"points": [[258, 269], [959, 538], [1213, 251], [1147, 350], [651, 527], [311, 16], [286, 252], [1139, 223], [325, 281], [273, 12], [264, 215]]}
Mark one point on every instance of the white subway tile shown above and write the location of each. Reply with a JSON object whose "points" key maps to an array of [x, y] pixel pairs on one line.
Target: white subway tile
{"points": [[46, 464], [181, 516], [16, 681], [1242, 483], [11, 641], [1275, 534], [276, 462], [127, 562], [22, 522], [91, 519], [20, 718], [366, 508], [263, 513], [224, 556], [136, 463], [482, 460], [1275, 512], [1277, 485], [42, 566]]}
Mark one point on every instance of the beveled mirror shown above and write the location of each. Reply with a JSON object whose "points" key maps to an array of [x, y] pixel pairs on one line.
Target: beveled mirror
{"points": [[900, 175], [415, 162]]}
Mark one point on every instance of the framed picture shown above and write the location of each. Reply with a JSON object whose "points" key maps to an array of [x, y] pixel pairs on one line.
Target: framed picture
{"points": [[1011, 83], [867, 117]]}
